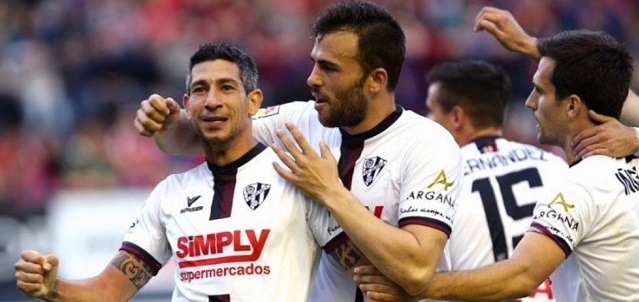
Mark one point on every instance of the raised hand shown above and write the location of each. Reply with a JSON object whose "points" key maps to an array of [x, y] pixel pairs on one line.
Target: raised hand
{"points": [[609, 138], [36, 274], [156, 114], [501, 24], [314, 174]]}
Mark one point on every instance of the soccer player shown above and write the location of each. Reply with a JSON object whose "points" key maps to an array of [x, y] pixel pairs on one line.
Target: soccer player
{"points": [[609, 137], [399, 173], [585, 232], [502, 179], [236, 230]]}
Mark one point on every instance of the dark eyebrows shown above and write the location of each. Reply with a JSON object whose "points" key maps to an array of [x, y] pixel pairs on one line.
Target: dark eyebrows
{"points": [[325, 63], [217, 82]]}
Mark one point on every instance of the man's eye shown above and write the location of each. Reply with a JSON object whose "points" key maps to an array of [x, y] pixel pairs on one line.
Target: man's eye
{"points": [[227, 87], [197, 90]]}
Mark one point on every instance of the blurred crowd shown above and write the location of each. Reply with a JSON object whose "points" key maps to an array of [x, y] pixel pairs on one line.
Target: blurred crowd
{"points": [[73, 72]]}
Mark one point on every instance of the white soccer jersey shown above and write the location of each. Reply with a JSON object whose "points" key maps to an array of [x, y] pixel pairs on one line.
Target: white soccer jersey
{"points": [[236, 233], [503, 180], [593, 215], [406, 170]]}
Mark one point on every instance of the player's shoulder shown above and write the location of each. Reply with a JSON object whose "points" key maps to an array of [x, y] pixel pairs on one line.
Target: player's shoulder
{"points": [[190, 177], [295, 107], [420, 129]]}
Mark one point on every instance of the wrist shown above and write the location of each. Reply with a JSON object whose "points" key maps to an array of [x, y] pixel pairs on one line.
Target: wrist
{"points": [[533, 51], [636, 144], [53, 294]]}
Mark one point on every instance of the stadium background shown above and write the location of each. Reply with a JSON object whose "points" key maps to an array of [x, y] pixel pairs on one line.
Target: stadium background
{"points": [[73, 171]]}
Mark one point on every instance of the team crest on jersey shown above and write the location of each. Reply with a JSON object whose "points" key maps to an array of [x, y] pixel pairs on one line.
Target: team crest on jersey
{"points": [[265, 112], [255, 194], [372, 168]]}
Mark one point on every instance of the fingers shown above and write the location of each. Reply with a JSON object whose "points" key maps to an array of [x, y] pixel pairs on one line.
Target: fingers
{"points": [[326, 153], [144, 125], [30, 270], [380, 296], [153, 114], [490, 16], [301, 140], [600, 118], [287, 160], [290, 147], [28, 287], [366, 270], [51, 262]]}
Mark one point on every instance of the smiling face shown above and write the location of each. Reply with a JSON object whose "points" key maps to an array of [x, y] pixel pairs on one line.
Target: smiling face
{"points": [[337, 80], [552, 122], [218, 105]]}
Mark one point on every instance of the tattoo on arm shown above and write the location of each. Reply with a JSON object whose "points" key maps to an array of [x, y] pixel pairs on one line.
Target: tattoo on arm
{"points": [[347, 255], [133, 268]]}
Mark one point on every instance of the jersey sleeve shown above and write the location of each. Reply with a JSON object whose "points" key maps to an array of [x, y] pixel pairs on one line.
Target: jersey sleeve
{"points": [[302, 114], [431, 183], [146, 238], [564, 214], [321, 223]]}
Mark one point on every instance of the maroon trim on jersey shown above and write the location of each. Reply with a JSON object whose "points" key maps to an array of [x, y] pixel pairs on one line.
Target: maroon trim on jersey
{"points": [[352, 146], [563, 245], [223, 191], [350, 152], [141, 254], [336, 242], [486, 143], [429, 222], [224, 180], [220, 298]]}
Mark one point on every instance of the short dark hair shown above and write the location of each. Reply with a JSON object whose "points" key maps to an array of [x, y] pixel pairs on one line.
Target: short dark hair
{"points": [[481, 88], [381, 39], [592, 65], [231, 53]]}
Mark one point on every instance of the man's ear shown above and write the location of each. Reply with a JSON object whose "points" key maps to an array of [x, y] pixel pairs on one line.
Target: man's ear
{"points": [[255, 98], [458, 116], [575, 106], [377, 80], [185, 103]]}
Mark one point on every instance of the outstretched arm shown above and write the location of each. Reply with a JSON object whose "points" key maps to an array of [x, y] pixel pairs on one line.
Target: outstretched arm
{"points": [[37, 277], [163, 120], [534, 259]]}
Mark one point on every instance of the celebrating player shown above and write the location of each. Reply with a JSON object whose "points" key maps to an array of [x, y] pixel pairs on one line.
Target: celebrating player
{"points": [[236, 230]]}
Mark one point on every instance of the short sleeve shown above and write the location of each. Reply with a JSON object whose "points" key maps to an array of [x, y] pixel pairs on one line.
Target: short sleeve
{"points": [[431, 184], [146, 238], [564, 215]]}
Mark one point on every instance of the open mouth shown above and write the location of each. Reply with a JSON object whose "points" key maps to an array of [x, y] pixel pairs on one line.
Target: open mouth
{"points": [[214, 119]]}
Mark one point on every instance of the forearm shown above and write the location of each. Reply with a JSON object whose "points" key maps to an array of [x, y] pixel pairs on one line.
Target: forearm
{"points": [[501, 281], [630, 111], [87, 290], [180, 139], [397, 253]]}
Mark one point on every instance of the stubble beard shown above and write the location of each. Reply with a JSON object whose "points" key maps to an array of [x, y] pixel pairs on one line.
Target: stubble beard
{"points": [[348, 109]]}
